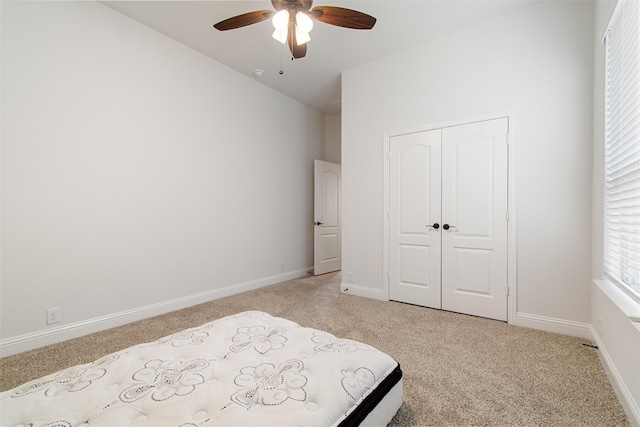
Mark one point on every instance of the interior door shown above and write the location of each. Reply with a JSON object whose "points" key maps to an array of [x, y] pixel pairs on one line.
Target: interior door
{"points": [[414, 218], [474, 216], [327, 237]]}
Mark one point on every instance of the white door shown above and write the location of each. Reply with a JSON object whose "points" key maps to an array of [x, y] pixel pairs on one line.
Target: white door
{"points": [[414, 218], [448, 218], [326, 238], [474, 217]]}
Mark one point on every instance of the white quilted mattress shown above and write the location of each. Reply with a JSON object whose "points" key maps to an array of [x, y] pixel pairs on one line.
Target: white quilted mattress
{"points": [[246, 369]]}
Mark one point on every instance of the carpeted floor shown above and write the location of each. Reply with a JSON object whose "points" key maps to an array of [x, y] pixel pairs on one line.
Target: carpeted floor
{"points": [[458, 369]]}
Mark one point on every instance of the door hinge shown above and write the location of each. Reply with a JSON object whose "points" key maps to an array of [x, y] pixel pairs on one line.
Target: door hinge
{"points": [[507, 291], [506, 214], [508, 139]]}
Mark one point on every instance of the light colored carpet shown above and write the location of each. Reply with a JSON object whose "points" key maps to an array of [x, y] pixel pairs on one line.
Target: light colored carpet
{"points": [[458, 369]]}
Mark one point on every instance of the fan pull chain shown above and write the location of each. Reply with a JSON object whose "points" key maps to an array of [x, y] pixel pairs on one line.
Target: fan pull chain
{"points": [[281, 72]]}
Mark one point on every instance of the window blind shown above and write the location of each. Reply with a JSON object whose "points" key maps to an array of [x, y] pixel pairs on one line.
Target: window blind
{"points": [[622, 147]]}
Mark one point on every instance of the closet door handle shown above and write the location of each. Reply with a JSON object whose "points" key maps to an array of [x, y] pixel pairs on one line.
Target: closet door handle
{"points": [[435, 225], [318, 223], [447, 226]]}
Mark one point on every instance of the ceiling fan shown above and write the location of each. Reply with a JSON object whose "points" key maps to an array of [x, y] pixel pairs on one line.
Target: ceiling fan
{"points": [[293, 21]]}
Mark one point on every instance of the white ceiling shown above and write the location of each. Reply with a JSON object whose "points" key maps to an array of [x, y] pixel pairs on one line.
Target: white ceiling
{"points": [[315, 79]]}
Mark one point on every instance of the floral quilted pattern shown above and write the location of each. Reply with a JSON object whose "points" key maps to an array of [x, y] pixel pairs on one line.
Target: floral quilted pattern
{"points": [[184, 338], [70, 380], [267, 385], [328, 343], [357, 383], [261, 338], [162, 379]]}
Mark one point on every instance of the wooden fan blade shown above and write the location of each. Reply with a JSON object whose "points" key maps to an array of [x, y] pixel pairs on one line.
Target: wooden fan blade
{"points": [[342, 17], [297, 51], [278, 4], [243, 20]]}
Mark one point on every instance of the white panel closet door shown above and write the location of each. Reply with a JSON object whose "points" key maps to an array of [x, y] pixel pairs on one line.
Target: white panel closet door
{"points": [[474, 216], [414, 208], [448, 218]]}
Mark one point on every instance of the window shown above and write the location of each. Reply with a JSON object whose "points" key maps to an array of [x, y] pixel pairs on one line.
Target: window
{"points": [[622, 148]]}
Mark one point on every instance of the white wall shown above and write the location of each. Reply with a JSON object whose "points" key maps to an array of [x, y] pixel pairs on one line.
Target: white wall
{"points": [[618, 339], [136, 172], [536, 62], [333, 142], [615, 334]]}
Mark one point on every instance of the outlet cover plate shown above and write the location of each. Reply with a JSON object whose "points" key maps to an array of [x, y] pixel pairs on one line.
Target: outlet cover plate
{"points": [[53, 315]]}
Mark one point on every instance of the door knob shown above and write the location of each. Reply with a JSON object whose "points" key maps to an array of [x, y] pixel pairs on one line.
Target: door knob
{"points": [[318, 223], [447, 226], [435, 225]]}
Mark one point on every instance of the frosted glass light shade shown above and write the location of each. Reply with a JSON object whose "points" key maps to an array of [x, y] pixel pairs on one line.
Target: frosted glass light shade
{"points": [[280, 35], [281, 20], [301, 36], [304, 22]]}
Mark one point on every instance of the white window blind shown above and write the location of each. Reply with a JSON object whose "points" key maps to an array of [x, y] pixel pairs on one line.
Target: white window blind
{"points": [[622, 147]]}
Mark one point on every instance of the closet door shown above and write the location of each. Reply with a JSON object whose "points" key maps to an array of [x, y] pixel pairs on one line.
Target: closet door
{"points": [[414, 218], [474, 216]]}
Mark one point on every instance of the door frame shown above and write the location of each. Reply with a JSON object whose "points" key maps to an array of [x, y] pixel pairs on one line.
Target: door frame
{"points": [[511, 201]]}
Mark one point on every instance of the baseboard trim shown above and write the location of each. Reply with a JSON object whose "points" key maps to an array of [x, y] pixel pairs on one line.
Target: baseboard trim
{"points": [[42, 338], [361, 291], [550, 324], [630, 407]]}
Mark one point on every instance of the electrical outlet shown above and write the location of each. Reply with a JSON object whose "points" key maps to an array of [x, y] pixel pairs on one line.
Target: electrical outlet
{"points": [[53, 315], [351, 277]]}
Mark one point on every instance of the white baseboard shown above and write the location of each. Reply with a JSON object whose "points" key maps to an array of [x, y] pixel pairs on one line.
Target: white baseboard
{"points": [[42, 338], [350, 288], [622, 391], [550, 324]]}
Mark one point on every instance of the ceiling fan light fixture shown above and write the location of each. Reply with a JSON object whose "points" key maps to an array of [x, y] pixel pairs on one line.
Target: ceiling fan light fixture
{"points": [[293, 21]]}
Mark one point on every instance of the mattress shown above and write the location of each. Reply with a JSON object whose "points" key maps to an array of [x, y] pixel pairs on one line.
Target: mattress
{"points": [[246, 369]]}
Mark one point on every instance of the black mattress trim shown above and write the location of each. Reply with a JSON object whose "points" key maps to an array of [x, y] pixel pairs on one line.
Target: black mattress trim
{"points": [[371, 401]]}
